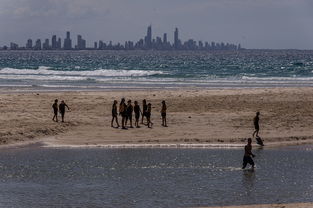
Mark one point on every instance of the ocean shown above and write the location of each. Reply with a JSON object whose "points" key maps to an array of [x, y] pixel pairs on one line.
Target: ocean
{"points": [[155, 69]]}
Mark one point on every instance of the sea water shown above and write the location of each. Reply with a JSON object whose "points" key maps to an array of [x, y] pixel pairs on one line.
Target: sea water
{"points": [[153, 69], [152, 177]]}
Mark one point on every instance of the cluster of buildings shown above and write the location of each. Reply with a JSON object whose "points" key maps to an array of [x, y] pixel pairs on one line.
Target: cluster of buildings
{"points": [[146, 43]]}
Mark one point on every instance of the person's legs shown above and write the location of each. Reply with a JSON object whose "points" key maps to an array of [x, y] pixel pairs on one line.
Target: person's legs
{"points": [[251, 162], [123, 122], [116, 119], [62, 115], [112, 121], [165, 124], [244, 163], [131, 121], [143, 115]]}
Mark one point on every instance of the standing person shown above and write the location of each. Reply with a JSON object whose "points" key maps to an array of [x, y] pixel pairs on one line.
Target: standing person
{"points": [[247, 156], [256, 120], [114, 114], [148, 115], [163, 113], [55, 110], [129, 112], [137, 114], [122, 111], [144, 110], [62, 109]]}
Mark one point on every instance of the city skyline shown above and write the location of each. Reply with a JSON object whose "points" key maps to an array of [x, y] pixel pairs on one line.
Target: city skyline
{"points": [[148, 42], [267, 24]]}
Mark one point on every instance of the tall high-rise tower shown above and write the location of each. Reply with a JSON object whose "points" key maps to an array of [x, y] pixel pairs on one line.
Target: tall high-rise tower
{"points": [[176, 39], [68, 41], [54, 42], [148, 38]]}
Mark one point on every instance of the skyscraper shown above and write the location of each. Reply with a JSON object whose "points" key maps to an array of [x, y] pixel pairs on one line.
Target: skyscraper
{"points": [[164, 38], [38, 44], [59, 44], [67, 41], [81, 43], [54, 42], [29, 44], [176, 39], [45, 45], [148, 38]]}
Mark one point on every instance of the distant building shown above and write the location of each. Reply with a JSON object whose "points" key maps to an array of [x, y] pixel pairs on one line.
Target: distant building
{"points": [[59, 44], [176, 39], [148, 38], [37, 45], [45, 45], [13, 46], [81, 43], [67, 41], [54, 43], [29, 44]]}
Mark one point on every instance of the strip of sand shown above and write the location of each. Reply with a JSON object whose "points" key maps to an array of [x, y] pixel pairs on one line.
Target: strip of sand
{"points": [[197, 117]]}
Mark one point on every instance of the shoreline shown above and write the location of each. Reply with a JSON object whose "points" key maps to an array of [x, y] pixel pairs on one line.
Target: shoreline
{"points": [[198, 118]]}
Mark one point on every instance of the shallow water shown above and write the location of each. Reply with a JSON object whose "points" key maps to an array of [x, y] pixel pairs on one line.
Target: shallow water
{"points": [[47, 177]]}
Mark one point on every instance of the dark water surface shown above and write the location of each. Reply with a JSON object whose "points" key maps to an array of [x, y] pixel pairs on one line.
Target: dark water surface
{"points": [[47, 177]]}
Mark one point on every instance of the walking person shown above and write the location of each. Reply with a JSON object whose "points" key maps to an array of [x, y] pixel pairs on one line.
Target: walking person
{"points": [[129, 112], [137, 112], [163, 113], [55, 110], [148, 115], [144, 110], [114, 114], [256, 120], [62, 109], [122, 111], [247, 158]]}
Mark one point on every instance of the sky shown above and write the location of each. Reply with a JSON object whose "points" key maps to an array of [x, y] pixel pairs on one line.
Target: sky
{"points": [[266, 24]]}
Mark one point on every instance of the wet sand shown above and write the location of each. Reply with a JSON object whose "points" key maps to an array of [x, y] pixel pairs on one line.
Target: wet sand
{"points": [[195, 116]]}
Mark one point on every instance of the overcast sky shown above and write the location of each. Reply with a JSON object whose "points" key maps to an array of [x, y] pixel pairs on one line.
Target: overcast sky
{"points": [[253, 23]]}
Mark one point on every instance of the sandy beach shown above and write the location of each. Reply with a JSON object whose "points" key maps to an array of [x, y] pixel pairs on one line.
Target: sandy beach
{"points": [[195, 116]]}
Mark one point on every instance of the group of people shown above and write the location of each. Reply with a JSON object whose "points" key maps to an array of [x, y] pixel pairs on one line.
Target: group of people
{"points": [[126, 112], [59, 108]]}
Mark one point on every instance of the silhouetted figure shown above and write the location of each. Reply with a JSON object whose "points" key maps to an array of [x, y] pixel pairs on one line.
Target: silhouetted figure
{"points": [[62, 109], [148, 115], [114, 114], [55, 110], [129, 112], [163, 113], [256, 124], [247, 158], [123, 112], [137, 112], [144, 110]]}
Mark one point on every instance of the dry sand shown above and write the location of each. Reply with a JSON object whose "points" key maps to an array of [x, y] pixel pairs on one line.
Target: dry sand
{"points": [[195, 116]]}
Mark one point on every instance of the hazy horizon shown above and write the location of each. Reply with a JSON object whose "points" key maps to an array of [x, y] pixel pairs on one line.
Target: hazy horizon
{"points": [[279, 24]]}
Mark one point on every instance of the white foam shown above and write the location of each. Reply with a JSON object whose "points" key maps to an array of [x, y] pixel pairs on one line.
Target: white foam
{"points": [[43, 70], [277, 78]]}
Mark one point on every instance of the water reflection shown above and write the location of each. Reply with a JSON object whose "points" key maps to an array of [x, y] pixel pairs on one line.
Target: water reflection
{"points": [[37, 177]]}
